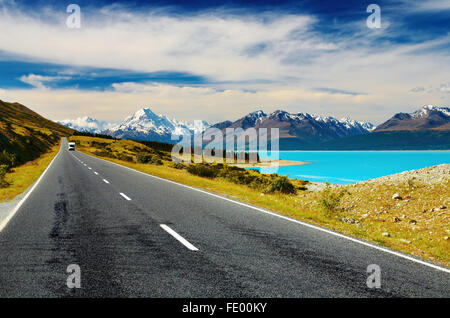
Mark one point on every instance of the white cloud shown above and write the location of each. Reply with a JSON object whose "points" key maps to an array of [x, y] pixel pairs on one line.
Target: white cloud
{"points": [[284, 53], [210, 45], [429, 5], [87, 123], [207, 103], [445, 87], [39, 80], [418, 89]]}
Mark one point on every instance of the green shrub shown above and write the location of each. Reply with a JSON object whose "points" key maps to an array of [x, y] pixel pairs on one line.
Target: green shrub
{"points": [[8, 159], [177, 165], [283, 185], [203, 170], [143, 158], [330, 200], [411, 183], [236, 176], [260, 183], [156, 161], [98, 144], [124, 157], [148, 158], [3, 170], [103, 153]]}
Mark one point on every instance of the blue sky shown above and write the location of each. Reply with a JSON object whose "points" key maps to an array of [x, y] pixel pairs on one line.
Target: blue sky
{"points": [[218, 60]]}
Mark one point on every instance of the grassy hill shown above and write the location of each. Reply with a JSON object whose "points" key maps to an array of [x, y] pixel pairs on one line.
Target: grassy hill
{"points": [[25, 135]]}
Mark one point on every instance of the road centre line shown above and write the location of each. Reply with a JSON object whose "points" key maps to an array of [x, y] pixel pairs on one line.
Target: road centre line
{"points": [[179, 237], [125, 196], [315, 227]]}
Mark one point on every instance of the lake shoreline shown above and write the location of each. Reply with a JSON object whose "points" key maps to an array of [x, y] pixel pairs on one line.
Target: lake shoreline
{"points": [[345, 167], [270, 163]]}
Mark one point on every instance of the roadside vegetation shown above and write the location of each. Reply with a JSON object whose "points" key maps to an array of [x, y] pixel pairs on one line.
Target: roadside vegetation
{"points": [[25, 135], [418, 224], [27, 144], [16, 180], [138, 153]]}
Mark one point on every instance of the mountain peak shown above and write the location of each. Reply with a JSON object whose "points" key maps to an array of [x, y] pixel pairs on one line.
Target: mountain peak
{"points": [[427, 117], [144, 112], [144, 124], [258, 113], [441, 109]]}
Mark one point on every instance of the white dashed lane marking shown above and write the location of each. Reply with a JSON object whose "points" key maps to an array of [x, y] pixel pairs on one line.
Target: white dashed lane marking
{"points": [[125, 196], [179, 237]]}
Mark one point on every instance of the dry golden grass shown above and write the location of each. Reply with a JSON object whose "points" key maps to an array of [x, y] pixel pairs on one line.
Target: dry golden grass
{"points": [[415, 224], [21, 177], [366, 211]]}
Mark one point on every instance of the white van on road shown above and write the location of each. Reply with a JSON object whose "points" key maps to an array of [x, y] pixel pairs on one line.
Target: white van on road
{"points": [[71, 146]]}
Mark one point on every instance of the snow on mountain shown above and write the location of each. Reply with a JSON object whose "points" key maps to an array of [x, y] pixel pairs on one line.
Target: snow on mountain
{"points": [[427, 109], [145, 120], [428, 117], [344, 123], [300, 128], [256, 117], [86, 124], [350, 123], [146, 125]]}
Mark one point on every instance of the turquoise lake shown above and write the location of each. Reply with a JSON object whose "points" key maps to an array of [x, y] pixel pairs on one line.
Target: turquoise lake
{"points": [[343, 167]]}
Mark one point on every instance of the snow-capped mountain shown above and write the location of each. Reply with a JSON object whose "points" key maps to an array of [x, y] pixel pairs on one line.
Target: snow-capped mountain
{"points": [[146, 125], [301, 127], [428, 110], [428, 117], [86, 124], [350, 123]]}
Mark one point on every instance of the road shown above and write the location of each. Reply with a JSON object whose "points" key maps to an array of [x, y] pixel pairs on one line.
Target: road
{"points": [[134, 235]]}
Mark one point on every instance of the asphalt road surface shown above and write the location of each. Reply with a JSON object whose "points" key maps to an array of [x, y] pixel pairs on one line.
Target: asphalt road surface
{"points": [[134, 235]]}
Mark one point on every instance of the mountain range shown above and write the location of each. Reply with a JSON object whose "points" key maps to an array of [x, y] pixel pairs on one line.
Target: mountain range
{"points": [[86, 124], [142, 125], [146, 125], [297, 131], [428, 117], [300, 128]]}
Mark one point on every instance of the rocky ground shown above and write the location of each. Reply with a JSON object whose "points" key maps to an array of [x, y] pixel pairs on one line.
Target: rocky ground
{"points": [[408, 211], [428, 175]]}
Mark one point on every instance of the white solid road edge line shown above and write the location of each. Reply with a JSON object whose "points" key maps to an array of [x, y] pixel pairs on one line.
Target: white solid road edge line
{"points": [[380, 248], [179, 237], [125, 196], [21, 202]]}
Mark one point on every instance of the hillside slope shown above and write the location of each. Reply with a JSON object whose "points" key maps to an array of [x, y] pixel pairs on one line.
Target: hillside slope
{"points": [[426, 118], [25, 135]]}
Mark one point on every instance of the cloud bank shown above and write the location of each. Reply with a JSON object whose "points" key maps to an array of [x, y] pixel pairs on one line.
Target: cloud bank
{"points": [[266, 60]]}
